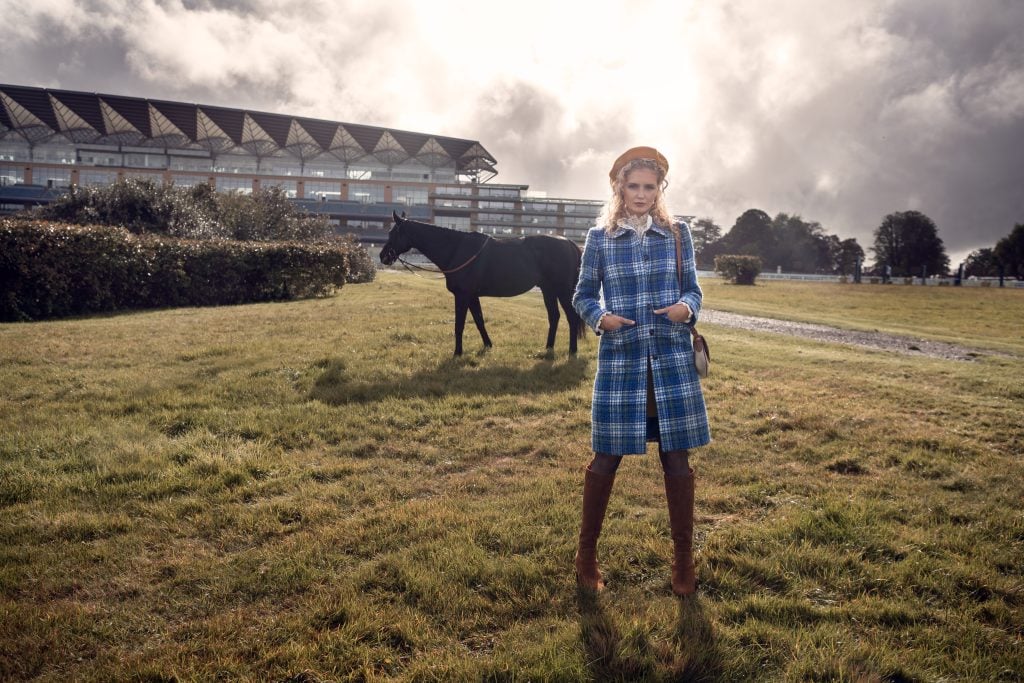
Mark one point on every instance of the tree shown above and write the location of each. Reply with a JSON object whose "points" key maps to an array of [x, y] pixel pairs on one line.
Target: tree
{"points": [[705, 232], [799, 246], [1010, 251], [981, 263], [752, 234], [845, 255], [909, 241], [740, 269]]}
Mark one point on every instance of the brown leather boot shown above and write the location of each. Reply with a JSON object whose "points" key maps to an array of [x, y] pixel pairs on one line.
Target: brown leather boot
{"points": [[596, 489], [679, 492]]}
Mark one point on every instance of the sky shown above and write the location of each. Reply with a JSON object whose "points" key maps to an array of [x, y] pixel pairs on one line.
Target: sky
{"points": [[840, 111]]}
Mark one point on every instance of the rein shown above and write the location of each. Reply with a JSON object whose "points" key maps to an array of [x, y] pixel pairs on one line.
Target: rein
{"points": [[448, 272]]}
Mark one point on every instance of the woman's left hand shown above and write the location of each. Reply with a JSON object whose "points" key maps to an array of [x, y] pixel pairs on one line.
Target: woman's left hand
{"points": [[677, 313]]}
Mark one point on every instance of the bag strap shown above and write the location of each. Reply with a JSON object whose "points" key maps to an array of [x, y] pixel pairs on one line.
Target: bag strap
{"points": [[679, 271]]}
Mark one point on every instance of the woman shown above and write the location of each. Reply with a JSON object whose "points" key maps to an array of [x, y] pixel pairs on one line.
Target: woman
{"points": [[646, 388]]}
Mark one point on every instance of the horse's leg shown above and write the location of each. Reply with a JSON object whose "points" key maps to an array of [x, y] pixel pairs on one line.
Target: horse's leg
{"points": [[551, 303], [572, 318], [461, 306], [478, 318]]}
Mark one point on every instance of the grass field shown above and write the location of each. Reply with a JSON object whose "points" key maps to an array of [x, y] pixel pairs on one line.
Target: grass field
{"points": [[989, 318], [317, 491]]}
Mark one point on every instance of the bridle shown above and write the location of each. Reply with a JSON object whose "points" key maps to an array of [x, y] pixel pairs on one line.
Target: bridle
{"points": [[410, 266]]}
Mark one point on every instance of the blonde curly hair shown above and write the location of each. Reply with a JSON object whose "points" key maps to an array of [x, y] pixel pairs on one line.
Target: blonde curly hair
{"points": [[615, 207]]}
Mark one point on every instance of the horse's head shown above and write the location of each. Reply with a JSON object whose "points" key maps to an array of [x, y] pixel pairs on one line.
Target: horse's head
{"points": [[398, 242]]}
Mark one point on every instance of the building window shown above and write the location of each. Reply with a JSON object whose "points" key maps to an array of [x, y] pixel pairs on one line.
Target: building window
{"points": [[496, 217], [52, 177], [145, 160], [189, 180], [581, 221], [453, 203], [499, 192], [592, 209], [508, 206], [11, 175], [365, 225], [366, 193], [242, 185], [95, 158], [540, 220], [412, 196], [11, 150], [453, 222], [189, 164], [496, 229], [232, 163], [457, 190], [319, 190], [540, 206], [96, 178], [325, 170], [55, 154]]}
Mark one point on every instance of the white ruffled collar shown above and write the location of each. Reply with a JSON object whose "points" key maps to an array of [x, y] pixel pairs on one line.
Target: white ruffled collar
{"points": [[638, 223]]}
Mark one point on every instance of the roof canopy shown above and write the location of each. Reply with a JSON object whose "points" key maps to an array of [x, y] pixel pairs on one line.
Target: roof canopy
{"points": [[39, 114]]}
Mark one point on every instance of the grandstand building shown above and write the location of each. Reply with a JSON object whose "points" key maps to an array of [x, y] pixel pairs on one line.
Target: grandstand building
{"points": [[355, 174]]}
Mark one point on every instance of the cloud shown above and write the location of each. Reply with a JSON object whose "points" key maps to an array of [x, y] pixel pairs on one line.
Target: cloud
{"points": [[841, 113]]}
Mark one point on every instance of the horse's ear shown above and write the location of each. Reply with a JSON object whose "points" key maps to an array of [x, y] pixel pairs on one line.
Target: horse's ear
{"points": [[403, 214], [398, 219]]}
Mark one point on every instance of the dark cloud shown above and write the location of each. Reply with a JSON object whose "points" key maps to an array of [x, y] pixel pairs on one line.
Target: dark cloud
{"points": [[840, 114]]}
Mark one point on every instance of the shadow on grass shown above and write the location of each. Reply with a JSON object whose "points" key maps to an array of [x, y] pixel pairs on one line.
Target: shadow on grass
{"points": [[609, 657], [615, 656], [700, 656], [452, 376]]}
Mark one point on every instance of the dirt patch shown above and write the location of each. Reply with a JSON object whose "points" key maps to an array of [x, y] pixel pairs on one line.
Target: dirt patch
{"points": [[912, 346]]}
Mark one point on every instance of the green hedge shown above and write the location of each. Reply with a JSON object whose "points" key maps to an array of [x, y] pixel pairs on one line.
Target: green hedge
{"points": [[51, 270], [740, 269]]}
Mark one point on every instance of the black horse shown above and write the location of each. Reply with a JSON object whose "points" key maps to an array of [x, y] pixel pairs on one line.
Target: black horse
{"points": [[476, 265]]}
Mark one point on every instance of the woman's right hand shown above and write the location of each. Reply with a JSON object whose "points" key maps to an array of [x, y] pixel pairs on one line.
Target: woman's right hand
{"points": [[612, 322]]}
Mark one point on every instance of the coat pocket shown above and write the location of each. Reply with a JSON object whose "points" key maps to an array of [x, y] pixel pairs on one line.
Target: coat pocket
{"points": [[627, 334]]}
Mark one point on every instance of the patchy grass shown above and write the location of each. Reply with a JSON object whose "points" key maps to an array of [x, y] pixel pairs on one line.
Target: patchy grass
{"points": [[989, 318], [318, 491]]}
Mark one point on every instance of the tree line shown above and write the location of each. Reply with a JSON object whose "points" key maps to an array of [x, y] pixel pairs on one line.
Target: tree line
{"points": [[906, 243]]}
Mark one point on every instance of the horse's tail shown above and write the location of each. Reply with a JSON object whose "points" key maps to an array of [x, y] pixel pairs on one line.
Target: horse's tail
{"points": [[577, 328]]}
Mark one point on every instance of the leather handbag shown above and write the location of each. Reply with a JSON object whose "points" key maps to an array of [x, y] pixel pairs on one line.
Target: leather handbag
{"points": [[701, 353]]}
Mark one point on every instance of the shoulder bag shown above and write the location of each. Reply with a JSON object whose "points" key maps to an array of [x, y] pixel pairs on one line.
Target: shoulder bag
{"points": [[701, 354]]}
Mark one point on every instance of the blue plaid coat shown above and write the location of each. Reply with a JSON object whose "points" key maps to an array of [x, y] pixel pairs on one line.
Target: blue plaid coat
{"points": [[631, 276]]}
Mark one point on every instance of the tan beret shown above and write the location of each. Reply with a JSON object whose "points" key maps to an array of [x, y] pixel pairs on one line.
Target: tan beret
{"points": [[638, 153]]}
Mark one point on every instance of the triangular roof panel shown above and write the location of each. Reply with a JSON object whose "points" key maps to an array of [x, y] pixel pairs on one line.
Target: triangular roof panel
{"points": [[321, 131], [183, 116], [134, 110], [164, 131], [366, 136], [301, 143], [84, 104], [228, 120], [455, 147], [118, 127], [255, 139], [389, 151], [432, 154], [27, 124], [345, 147], [275, 125], [410, 142], [34, 101], [209, 135], [73, 126]]}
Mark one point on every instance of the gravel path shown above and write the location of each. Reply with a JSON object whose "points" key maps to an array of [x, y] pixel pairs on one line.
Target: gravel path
{"points": [[874, 340]]}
